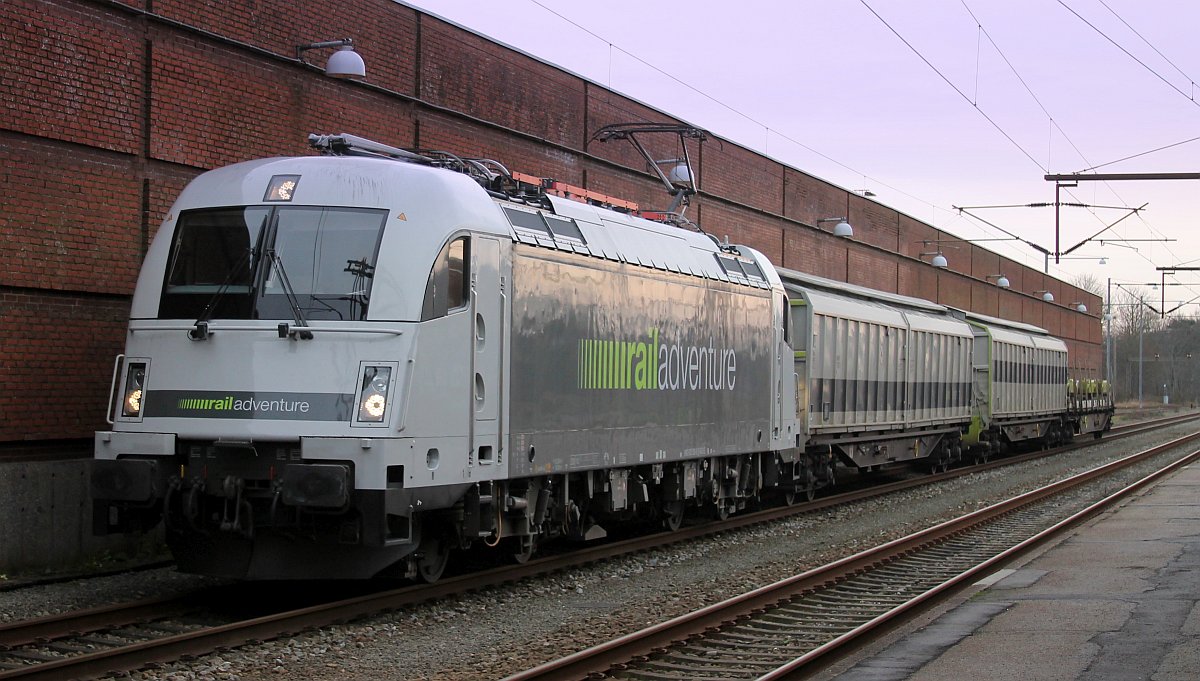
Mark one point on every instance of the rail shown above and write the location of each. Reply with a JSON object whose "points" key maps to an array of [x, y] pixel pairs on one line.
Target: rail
{"points": [[781, 629]]}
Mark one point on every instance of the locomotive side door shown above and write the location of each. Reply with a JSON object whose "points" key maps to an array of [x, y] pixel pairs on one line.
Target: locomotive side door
{"points": [[489, 298], [783, 414]]}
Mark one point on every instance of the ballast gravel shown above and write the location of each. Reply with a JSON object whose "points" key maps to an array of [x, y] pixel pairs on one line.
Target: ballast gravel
{"points": [[504, 630]]}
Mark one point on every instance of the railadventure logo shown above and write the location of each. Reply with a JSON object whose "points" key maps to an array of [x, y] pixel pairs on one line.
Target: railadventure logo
{"points": [[653, 364], [213, 404], [230, 403]]}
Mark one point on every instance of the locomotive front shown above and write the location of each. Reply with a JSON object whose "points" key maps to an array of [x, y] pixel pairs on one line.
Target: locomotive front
{"points": [[268, 359]]}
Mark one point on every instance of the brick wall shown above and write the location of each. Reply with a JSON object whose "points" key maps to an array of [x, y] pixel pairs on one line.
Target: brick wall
{"points": [[57, 351], [107, 111]]}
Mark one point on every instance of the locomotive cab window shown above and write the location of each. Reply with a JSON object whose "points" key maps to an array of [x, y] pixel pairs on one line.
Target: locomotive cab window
{"points": [[448, 287], [244, 263], [213, 252], [327, 256]]}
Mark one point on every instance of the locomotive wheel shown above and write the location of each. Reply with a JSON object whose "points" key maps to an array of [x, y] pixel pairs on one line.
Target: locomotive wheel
{"points": [[524, 548], [432, 556], [672, 515]]}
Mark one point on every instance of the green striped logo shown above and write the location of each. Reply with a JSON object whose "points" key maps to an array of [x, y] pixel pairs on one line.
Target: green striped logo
{"points": [[619, 365], [651, 364]]}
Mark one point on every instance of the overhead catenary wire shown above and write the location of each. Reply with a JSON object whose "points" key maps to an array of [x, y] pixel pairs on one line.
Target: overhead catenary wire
{"points": [[1054, 123], [1158, 75], [1140, 154], [1132, 56], [613, 46], [954, 87], [1008, 62], [1191, 81]]}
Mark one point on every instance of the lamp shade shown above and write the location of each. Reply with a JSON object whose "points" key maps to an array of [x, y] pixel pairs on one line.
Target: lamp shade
{"points": [[346, 63], [844, 229], [680, 173], [939, 260]]}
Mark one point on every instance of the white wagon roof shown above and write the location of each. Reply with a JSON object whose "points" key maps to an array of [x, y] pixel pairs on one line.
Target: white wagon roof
{"points": [[1006, 323], [1016, 333], [847, 301], [799, 281]]}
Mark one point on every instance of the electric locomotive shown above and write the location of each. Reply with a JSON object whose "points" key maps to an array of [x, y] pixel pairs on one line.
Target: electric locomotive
{"points": [[349, 364]]}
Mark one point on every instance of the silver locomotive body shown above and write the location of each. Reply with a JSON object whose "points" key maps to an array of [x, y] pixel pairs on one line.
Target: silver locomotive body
{"points": [[342, 366]]}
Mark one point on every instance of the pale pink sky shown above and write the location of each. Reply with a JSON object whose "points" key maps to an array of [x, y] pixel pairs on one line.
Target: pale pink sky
{"points": [[827, 87]]}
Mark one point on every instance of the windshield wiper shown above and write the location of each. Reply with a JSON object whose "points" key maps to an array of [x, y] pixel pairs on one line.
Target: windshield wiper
{"points": [[199, 330], [285, 331]]}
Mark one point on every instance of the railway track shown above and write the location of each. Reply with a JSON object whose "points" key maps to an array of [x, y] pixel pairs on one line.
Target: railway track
{"points": [[90, 643], [779, 631]]}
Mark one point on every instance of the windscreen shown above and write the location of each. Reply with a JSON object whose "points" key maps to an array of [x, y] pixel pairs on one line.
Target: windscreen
{"points": [[245, 263]]}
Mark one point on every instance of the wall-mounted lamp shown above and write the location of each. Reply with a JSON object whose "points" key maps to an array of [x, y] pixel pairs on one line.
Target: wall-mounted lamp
{"points": [[1001, 280], [866, 193], [842, 228], [1046, 295], [1079, 307], [938, 260], [345, 63], [680, 172]]}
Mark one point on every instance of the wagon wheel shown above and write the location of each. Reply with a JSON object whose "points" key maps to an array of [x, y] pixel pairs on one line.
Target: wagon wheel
{"points": [[672, 515], [431, 557], [798, 494]]}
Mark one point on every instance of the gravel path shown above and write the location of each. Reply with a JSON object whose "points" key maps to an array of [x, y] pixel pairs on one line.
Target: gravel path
{"points": [[503, 630]]}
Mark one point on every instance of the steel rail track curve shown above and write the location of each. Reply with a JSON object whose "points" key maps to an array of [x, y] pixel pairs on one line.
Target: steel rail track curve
{"points": [[778, 631]]}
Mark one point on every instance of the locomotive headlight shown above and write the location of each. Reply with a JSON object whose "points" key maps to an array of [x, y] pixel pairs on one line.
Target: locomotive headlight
{"points": [[373, 407], [372, 401], [135, 382], [282, 188]]}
